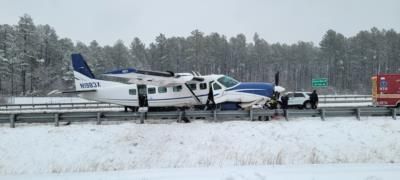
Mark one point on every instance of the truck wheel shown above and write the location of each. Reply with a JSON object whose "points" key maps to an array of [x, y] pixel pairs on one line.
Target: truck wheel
{"points": [[307, 105]]}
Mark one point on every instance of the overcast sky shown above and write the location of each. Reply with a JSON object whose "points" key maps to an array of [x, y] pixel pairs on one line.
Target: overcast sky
{"points": [[285, 21]]}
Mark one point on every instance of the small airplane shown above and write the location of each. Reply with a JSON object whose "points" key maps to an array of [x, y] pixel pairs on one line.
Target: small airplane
{"points": [[168, 89]]}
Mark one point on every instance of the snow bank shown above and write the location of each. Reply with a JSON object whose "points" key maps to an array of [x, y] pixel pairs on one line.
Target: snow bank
{"points": [[278, 172], [89, 147]]}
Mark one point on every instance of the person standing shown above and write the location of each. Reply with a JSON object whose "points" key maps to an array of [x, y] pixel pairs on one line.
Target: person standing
{"points": [[285, 100], [314, 99], [210, 99]]}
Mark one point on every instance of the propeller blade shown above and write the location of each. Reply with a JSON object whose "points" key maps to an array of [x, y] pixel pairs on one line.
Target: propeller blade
{"points": [[277, 79]]}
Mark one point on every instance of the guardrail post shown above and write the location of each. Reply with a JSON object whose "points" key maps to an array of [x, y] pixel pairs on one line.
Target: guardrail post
{"points": [[12, 120], [358, 113], [142, 116], [322, 114], [98, 118], [251, 114], [56, 119], [286, 114], [215, 115], [394, 113], [180, 116]]}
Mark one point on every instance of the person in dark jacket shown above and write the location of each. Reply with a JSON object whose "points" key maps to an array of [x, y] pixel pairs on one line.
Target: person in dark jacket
{"points": [[285, 100], [314, 99], [210, 99]]}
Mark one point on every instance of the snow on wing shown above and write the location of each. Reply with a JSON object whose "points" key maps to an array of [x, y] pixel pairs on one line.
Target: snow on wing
{"points": [[155, 78]]}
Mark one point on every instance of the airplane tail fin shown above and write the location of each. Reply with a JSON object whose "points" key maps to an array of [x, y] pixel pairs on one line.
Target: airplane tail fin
{"points": [[83, 75], [84, 78], [81, 66]]}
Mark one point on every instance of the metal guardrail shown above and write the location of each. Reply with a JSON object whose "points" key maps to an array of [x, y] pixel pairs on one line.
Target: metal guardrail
{"points": [[345, 98], [85, 105], [80, 105], [251, 115]]}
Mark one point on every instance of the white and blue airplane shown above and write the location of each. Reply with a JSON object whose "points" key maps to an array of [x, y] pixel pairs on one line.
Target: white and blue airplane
{"points": [[168, 89]]}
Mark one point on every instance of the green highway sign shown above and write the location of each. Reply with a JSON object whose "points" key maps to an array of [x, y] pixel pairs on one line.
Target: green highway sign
{"points": [[320, 82]]}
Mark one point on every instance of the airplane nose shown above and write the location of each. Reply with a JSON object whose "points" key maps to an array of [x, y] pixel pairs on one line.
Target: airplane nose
{"points": [[279, 89]]}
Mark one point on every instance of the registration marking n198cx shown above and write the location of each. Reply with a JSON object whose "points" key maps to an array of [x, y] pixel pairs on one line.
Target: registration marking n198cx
{"points": [[90, 85]]}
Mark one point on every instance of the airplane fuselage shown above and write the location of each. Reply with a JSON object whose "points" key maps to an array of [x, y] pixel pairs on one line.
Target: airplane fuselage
{"points": [[180, 95], [166, 89]]}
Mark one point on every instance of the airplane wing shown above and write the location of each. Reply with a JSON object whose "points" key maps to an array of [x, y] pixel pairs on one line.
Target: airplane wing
{"points": [[156, 78], [79, 91]]}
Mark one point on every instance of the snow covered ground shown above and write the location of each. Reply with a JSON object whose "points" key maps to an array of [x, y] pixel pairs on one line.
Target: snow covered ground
{"points": [[233, 146], [275, 172]]}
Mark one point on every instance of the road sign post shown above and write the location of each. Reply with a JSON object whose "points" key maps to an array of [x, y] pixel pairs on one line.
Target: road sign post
{"points": [[320, 82]]}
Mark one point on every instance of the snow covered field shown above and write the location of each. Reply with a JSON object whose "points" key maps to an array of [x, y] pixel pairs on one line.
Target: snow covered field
{"points": [[128, 146], [275, 172]]}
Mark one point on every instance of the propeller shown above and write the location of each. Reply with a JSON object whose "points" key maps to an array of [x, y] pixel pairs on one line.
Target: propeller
{"points": [[277, 78], [278, 89]]}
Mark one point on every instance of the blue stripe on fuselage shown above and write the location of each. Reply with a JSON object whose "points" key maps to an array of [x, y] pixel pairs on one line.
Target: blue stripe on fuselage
{"points": [[263, 89], [185, 97]]}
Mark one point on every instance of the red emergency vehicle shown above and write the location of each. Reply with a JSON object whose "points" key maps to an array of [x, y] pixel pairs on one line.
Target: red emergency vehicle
{"points": [[386, 90]]}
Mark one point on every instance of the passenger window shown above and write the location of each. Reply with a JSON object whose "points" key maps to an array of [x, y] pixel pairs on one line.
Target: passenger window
{"points": [[151, 90], [162, 89], [298, 95], [192, 86], [203, 85], [177, 88], [132, 91], [216, 86]]}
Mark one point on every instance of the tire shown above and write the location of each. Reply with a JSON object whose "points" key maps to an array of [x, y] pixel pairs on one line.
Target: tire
{"points": [[307, 105]]}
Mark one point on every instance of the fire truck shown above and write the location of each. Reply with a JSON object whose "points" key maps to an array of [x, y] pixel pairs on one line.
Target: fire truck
{"points": [[386, 90]]}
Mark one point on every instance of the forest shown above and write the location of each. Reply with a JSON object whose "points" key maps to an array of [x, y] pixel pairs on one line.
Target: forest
{"points": [[34, 60]]}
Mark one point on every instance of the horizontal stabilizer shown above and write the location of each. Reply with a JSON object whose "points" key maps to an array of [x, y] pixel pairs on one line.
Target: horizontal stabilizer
{"points": [[80, 91]]}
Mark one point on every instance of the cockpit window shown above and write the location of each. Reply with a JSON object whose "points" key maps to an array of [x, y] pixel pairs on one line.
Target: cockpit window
{"points": [[227, 81]]}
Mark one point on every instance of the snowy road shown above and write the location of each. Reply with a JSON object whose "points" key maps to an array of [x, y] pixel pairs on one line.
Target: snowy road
{"points": [[34, 149]]}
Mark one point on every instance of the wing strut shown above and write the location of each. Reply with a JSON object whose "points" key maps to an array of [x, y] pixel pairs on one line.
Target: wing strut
{"points": [[194, 95]]}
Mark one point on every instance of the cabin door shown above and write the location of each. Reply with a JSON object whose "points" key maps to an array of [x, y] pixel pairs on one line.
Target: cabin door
{"points": [[142, 96]]}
